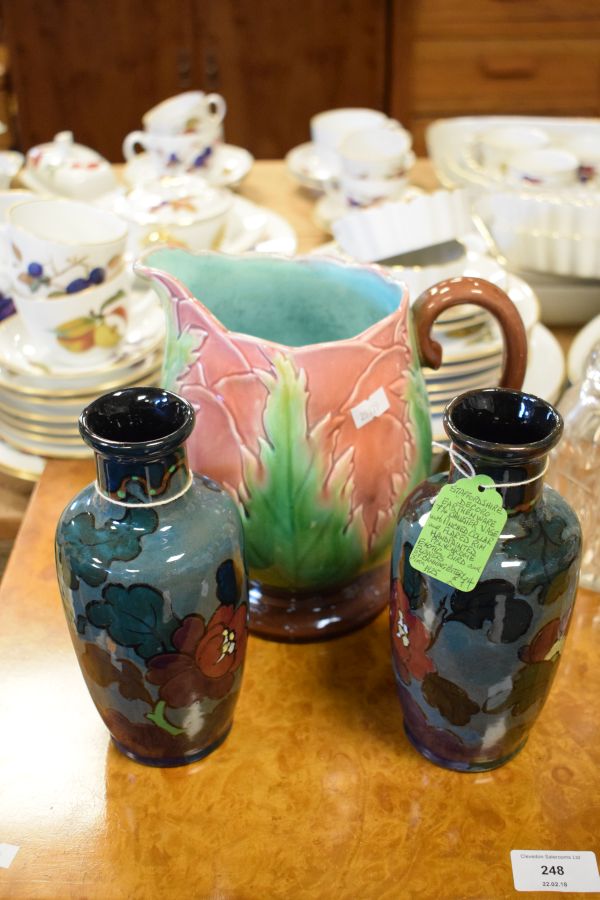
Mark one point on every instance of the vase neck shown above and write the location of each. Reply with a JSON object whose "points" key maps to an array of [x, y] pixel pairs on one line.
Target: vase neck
{"points": [[143, 480], [518, 497]]}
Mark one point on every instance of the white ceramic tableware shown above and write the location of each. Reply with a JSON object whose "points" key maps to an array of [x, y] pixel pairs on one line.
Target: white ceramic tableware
{"points": [[496, 146], [184, 113], [405, 225], [545, 232], [379, 153], [10, 164], [67, 169], [60, 246], [174, 153], [586, 147], [365, 192], [546, 167], [329, 128], [81, 329], [181, 211], [226, 166]]}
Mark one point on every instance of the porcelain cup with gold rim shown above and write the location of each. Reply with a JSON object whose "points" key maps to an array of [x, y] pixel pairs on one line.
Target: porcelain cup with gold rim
{"points": [[175, 153], [62, 247], [79, 329], [185, 113]]}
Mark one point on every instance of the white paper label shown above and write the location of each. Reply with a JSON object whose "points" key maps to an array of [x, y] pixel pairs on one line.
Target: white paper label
{"points": [[7, 854], [555, 870], [369, 409]]}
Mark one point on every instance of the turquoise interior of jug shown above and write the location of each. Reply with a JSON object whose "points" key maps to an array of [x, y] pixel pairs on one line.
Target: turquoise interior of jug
{"points": [[292, 302]]}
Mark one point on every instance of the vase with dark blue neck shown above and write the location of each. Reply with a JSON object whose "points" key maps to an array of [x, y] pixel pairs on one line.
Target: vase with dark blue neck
{"points": [[152, 577], [473, 668]]}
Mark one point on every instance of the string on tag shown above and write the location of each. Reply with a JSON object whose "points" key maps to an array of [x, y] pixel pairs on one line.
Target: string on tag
{"points": [[469, 472]]}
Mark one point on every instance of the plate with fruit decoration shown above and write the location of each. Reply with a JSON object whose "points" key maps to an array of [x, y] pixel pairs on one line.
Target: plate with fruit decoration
{"points": [[24, 367]]}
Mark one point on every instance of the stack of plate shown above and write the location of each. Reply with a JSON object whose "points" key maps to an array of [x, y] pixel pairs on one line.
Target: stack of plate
{"points": [[41, 399]]}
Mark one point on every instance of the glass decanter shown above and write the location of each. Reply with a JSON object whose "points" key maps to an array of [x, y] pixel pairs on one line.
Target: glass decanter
{"points": [[575, 464]]}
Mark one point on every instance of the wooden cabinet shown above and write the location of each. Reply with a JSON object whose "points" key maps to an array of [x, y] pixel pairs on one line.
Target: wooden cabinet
{"points": [[493, 56], [95, 66]]}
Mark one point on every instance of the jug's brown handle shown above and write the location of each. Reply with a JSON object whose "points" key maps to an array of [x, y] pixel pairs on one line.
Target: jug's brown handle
{"points": [[456, 291]]}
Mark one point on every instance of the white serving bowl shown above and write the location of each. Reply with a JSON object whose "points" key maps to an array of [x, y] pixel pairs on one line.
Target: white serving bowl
{"points": [[545, 232]]}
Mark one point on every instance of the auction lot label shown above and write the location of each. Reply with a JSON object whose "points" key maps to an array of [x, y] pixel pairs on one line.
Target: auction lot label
{"points": [[555, 870]]}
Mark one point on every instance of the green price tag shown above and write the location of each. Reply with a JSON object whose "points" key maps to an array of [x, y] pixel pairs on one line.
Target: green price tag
{"points": [[460, 534]]}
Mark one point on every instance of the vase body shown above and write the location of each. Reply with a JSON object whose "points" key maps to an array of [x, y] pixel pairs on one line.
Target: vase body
{"points": [[152, 578], [307, 374], [473, 669]]}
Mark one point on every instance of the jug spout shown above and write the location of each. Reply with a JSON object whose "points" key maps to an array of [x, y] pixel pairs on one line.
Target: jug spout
{"points": [[175, 295]]}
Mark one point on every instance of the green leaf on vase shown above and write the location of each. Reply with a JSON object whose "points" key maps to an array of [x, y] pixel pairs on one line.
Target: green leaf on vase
{"points": [[546, 546], [530, 685], [158, 717], [137, 616], [450, 699], [90, 550], [297, 535]]}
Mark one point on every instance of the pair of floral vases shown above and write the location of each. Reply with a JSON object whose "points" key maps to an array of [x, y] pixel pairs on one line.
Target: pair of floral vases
{"points": [[151, 569]]}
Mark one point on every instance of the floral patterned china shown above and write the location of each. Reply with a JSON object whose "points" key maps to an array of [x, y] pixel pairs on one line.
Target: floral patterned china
{"points": [[225, 166], [67, 169]]}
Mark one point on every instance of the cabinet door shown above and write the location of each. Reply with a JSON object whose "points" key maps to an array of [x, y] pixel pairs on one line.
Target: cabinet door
{"points": [[95, 66], [278, 63]]}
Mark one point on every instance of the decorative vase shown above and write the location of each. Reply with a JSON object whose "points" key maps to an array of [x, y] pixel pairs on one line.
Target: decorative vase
{"points": [[152, 578], [473, 668], [307, 374]]}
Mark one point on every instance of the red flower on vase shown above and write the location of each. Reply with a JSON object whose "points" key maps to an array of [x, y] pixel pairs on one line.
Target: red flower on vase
{"points": [[207, 658], [410, 638]]}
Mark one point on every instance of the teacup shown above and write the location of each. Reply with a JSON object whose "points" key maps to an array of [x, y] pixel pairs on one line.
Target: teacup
{"points": [[185, 113], [586, 148], [367, 191], [59, 246], [175, 152], [80, 330], [497, 145], [549, 166], [181, 212], [328, 129], [8, 199], [380, 152]]}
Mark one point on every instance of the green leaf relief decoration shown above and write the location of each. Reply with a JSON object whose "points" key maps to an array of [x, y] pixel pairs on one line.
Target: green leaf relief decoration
{"points": [[297, 534], [179, 351], [137, 616]]}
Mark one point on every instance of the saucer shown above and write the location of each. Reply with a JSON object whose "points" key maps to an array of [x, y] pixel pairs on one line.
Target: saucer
{"points": [[545, 375], [312, 166], [22, 366], [256, 228], [26, 466], [228, 167]]}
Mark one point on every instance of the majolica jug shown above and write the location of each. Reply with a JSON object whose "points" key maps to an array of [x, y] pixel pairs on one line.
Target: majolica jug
{"points": [[312, 411]]}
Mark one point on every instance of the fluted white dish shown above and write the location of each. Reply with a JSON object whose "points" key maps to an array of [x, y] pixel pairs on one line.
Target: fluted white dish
{"points": [[546, 232], [404, 225]]}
